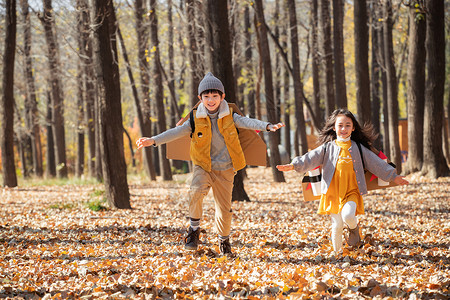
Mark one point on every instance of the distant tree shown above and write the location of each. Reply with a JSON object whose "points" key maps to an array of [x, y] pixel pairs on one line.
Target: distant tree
{"points": [[416, 88], [298, 84], [362, 61], [48, 21], [392, 100], [110, 115], [191, 20], [315, 62], [434, 163], [338, 53], [375, 87], [32, 118], [7, 104], [159, 90], [143, 106], [50, 171], [326, 55], [268, 87], [248, 61]]}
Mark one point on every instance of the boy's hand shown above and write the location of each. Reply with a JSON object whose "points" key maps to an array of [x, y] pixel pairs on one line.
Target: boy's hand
{"points": [[400, 180], [274, 127], [284, 168], [144, 142]]}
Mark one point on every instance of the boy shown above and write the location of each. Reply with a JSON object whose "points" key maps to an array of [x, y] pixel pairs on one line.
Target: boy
{"points": [[216, 154]]}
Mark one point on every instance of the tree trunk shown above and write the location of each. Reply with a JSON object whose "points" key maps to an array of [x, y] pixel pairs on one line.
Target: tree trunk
{"points": [[416, 89], [362, 61], [171, 76], [248, 61], [32, 116], [51, 159], [339, 60], [193, 51], [159, 90], [143, 108], [382, 62], [326, 55], [298, 84], [88, 82], [315, 62], [434, 163], [375, 74], [111, 128], [79, 168], [392, 100], [7, 107], [286, 83], [48, 21], [268, 87]]}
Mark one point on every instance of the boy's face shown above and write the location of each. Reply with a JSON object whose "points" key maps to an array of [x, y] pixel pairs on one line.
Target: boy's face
{"points": [[211, 100]]}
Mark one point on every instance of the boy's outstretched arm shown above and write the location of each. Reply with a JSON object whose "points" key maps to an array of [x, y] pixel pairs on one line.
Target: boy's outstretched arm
{"points": [[144, 142], [274, 127], [284, 168], [400, 180]]}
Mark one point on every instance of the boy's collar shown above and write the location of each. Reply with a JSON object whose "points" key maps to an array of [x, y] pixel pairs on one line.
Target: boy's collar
{"points": [[224, 110]]}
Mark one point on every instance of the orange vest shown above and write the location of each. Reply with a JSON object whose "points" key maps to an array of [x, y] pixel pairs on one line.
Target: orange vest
{"points": [[201, 142]]}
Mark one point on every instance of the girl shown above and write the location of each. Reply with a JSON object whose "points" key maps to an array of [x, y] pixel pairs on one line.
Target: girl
{"points": [[343, 180]]}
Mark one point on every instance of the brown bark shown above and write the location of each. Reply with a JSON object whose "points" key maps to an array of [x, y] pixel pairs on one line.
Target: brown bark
{"points": [[416, 90], [193, 51], [298, 84], [32, 115], [248, 61], [338, 54], [159, 91], [110, 116], [434, 163], [50, 156], [48, 22], [362, 61], [143, 108], [7, 104], [268, 87], [375, 75], [326, 55], [315, 63], [392, 91]]}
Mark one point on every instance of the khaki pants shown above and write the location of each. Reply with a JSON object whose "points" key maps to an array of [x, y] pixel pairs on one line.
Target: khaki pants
{"points": [[221, 183]]}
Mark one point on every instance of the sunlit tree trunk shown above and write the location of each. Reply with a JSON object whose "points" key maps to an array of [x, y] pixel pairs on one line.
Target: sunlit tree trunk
{"points": [[434, 163], [362, 61], [326, 55], [48, 21], [268, 86], [338, 51], [110, 115], [159, 91], [33, 113], [392, 91], [416, 89], [375, 74], [7, 104], [298, 84]]}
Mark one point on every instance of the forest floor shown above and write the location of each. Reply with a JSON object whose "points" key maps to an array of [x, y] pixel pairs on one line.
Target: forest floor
{"points": [[52, 245]]}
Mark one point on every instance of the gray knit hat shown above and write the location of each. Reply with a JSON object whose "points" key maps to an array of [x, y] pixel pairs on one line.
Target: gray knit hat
{"points": [[209, 82]]}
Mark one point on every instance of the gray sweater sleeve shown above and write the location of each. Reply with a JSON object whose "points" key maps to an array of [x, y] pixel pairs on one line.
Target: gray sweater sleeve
{"points": [[249, 123], [377, 166], [310, 160], [172, 134]]}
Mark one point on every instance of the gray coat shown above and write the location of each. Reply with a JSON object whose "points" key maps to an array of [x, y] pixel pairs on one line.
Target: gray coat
{"points": [[327, 156]]}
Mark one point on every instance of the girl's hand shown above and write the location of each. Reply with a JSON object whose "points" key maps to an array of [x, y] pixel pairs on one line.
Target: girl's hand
{"points": [[400, 180], [284, 168], [274, 127], [144, 142]]}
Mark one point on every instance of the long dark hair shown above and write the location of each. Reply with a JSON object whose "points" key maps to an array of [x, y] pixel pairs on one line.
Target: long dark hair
{"points": [[362, 134]]}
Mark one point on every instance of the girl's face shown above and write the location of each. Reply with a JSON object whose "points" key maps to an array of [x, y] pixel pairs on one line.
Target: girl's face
{"points": [[343, 126], [211, 101]]}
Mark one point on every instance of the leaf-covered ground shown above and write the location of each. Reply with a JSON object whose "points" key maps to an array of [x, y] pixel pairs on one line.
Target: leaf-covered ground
{"points": [[53, 246]]}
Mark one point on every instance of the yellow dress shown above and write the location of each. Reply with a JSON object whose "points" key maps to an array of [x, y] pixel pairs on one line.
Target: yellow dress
{"points": [[343, 186]]}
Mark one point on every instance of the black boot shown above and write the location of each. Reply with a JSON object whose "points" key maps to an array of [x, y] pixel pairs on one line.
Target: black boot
{"points": [[354, 239], [192, 238], [225, 247]]}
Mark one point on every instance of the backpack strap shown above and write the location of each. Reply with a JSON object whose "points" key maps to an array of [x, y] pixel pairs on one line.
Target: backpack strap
{"points": [[360, 153], [192, 121]]}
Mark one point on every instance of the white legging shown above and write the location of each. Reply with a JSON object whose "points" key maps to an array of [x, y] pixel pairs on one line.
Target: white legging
{"points": [[347, 215]]}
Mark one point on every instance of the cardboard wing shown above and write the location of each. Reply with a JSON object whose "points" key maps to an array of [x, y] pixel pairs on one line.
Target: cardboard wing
{"points": [[372, 181], [253, 146]]}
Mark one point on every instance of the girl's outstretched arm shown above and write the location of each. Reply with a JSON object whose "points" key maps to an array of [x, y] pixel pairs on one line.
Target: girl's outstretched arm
{"points": [[144, 142], [284, 168], [400, 180]]}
